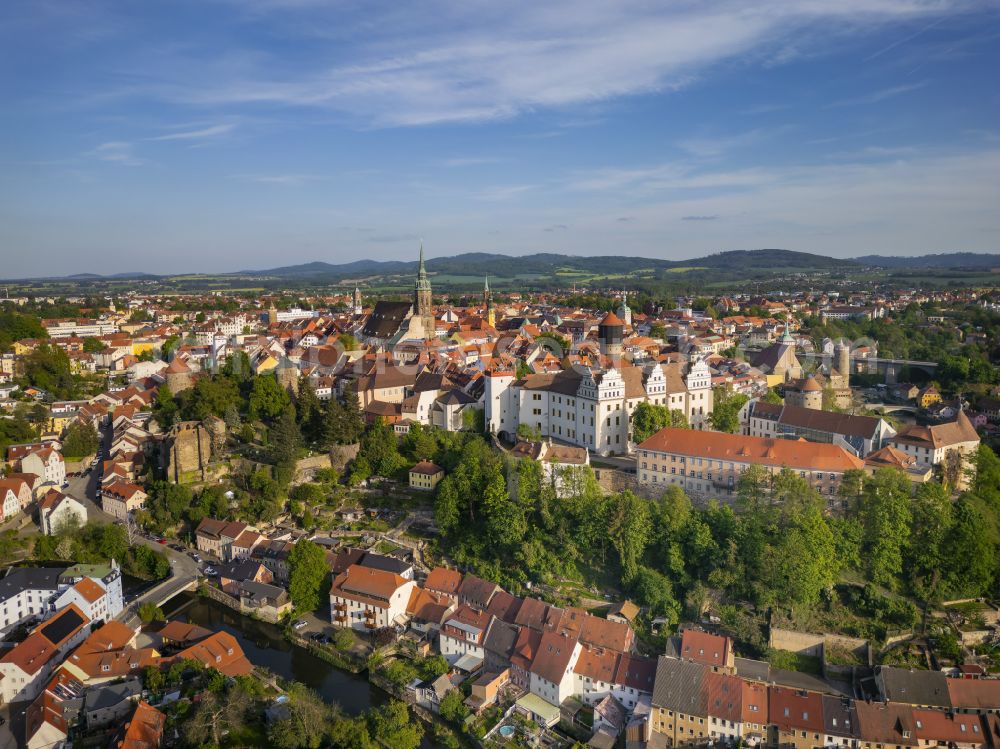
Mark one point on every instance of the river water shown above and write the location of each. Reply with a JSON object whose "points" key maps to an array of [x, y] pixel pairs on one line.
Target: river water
{"points": [[265, 645]]}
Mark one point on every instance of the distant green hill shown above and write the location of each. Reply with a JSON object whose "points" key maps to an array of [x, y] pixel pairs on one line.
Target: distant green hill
{"points": [[482, 264], [941, 260]]}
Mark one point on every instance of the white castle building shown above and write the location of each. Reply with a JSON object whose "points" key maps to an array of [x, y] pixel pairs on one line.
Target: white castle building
{"points": [[592, 408]]}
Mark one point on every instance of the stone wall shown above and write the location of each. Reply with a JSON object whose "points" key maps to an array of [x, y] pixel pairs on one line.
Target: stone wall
{"points": [[306, 468], [187, 450], [341, 455], [805, 643], [613, 481]]}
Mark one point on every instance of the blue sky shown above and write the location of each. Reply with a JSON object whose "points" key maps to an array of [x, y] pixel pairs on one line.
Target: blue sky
{"points": [[218, 135]]}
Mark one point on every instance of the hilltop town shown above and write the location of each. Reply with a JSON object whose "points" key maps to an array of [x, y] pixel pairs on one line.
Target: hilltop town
{"points": [[587, 516]]}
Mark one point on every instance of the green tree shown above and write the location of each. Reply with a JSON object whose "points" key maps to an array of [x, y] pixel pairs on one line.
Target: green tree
{"points": [[210, 396], [307, 571], [629, 530], [152, 678], [885, 518], [390, 725], [150, 612], [505, 521], [15, 326], [216, 715], [305, 720], [772, 397], [268, 399], [726, 405], [93, 345], [380, 448], [927, 553], [285, 438], [80, 439], [48, 367], [419, 443], [308, 411], [165, 407], [648, 419], [452, 707], [653, 589], [972, 544]]}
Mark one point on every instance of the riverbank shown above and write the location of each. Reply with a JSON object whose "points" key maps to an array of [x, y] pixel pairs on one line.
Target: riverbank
{"points": [[266, 645]]}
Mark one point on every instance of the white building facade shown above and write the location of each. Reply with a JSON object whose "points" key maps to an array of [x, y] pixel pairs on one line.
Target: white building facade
{"points": [[592, 409]]}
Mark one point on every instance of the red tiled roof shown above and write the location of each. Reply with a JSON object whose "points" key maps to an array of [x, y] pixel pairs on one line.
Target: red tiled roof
{"points": [[799, 454]]}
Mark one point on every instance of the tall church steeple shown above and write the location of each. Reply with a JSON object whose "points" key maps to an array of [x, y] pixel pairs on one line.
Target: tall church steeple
{"points": [[491, 318], [422, 302], [358, 309]]}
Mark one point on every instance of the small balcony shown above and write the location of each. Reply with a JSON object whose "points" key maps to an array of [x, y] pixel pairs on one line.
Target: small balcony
{"points": [[340, 606], [341, 618]]}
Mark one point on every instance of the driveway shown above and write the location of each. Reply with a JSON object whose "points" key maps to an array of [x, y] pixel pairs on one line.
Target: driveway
{"points": [[13, 714]]}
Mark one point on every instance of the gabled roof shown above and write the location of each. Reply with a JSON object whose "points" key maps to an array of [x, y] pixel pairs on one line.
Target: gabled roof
{"points": [[444, 580], [39, 647], [477, 591], [143, 731], [795, 709], [914, 687], [89, 590], [724, 696], [939, 436], [220, 651], [553, 656], [679, 686], [183, 632], [705, 647], [809, 456], [367, 585], [976, 694]]}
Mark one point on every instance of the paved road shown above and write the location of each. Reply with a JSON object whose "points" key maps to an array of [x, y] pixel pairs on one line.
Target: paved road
{"points": [[184, 570], [13, 714]]}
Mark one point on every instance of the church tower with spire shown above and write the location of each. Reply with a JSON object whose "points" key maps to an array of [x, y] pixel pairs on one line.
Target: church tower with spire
{"points": [[422, 303], [491, 315], [624, 311], [358, 309]]}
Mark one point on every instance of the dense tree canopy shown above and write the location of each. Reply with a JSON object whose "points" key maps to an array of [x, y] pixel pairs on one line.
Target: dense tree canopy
{"points": [[648, 419]]}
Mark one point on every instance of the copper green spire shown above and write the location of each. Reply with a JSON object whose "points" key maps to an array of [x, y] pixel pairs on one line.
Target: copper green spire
{"points": [[422, 281]]}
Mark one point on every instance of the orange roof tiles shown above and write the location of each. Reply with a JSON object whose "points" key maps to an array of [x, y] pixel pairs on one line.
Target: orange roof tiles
{"points": [[221, 652], [144, 730], [799, 454], [443, 580], [367, 585], [91, 591], [704, 647]]}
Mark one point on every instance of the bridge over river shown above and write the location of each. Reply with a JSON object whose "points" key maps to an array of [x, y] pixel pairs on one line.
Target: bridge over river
{"points": [[889, 368]]}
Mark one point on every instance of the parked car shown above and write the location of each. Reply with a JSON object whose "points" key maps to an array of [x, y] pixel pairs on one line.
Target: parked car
{"points": [[300, 624], [176, 547], [211, 571]]}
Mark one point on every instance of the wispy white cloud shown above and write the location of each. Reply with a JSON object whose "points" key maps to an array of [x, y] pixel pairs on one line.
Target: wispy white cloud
{"points": [[448, 64], [117, 152], [213, 131], [280, 179], [503, 192], [876, 96], [461, 161]]}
